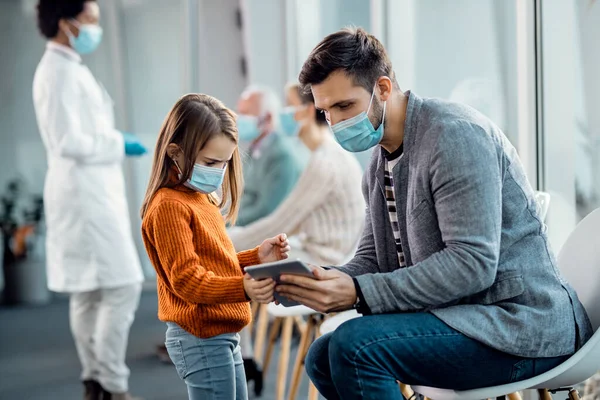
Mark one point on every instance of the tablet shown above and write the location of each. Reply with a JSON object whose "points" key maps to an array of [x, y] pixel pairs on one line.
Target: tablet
{"points": [[275, 270]]}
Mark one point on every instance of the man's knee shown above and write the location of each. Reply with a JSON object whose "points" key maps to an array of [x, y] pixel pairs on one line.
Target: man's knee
{"points": [[346, 341]]}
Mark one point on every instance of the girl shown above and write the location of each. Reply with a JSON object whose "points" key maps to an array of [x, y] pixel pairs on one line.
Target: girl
{"points": [[202, 293]]}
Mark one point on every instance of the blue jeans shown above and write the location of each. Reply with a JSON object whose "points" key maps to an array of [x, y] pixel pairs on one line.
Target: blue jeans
{"points": [[365, 357], [211, 368]]}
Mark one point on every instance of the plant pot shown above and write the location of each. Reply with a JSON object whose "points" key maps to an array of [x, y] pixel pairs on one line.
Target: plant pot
{"points": [[25, 283], [25, 278]]}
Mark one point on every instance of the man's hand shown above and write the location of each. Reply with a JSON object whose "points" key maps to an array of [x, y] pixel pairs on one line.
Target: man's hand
{"points": [[329, 290], [274, 249], [260, 291]]}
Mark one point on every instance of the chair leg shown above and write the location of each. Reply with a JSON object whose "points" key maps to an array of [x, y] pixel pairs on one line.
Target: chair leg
{"points": [[305, 341], [514, 396], [253, 310], [300, 324], [262, 323], [284, 357], [573, 394], [406, 390], [544, 394], [275, 329]]}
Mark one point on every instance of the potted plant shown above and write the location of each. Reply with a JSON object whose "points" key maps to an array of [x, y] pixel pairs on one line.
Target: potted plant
{"points": [[23, 261]]}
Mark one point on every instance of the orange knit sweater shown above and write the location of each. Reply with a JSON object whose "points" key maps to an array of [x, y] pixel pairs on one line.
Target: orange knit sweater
{"points": [[199, 274]]}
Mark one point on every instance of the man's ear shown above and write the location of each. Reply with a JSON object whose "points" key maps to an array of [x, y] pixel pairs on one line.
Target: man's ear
{"points": [[385, 86]]}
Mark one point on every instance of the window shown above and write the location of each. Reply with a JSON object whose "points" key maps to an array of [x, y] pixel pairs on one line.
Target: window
{"points": [[571, 121]]}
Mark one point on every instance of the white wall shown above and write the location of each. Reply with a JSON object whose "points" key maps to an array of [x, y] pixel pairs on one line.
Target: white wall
{"points": [[21, 151], [265, 37], [153, 52]]}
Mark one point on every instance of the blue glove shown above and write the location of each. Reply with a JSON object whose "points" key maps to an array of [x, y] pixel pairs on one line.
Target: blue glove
{"points": [[133, 146]]}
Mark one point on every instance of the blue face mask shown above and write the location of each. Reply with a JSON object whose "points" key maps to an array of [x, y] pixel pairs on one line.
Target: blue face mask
{"points": [[88, 40], [289, 125], [357, 133], [247, 128], [204, 179]]}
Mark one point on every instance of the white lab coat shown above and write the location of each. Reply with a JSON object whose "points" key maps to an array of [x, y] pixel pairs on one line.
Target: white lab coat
{"points": [[89, 241]]}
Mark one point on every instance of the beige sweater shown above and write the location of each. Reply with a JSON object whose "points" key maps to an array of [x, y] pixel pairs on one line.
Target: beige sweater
{"points": [[325, 210]]}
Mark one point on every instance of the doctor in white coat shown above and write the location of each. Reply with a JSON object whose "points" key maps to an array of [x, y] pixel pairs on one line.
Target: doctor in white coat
{"points": [[90, 249]]}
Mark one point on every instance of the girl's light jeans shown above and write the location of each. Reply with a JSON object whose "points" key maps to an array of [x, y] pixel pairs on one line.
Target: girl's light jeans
{"points": [[211, 368]]}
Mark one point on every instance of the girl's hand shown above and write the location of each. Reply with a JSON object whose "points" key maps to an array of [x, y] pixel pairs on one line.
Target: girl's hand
{"points": [[274, 249], [260, 291]]}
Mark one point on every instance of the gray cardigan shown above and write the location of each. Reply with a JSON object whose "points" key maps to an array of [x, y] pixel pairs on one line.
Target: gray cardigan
{"points": [[477, 252]]}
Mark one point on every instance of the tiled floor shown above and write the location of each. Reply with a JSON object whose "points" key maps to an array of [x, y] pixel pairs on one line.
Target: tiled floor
{"points": [[38, 359]]}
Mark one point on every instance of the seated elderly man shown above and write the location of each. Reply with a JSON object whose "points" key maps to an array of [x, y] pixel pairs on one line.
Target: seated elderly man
{"points": [[454, 272]]}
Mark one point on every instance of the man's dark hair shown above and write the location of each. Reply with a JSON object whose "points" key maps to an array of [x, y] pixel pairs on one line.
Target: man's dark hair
{"points": [[49, 12], [359, 54]]}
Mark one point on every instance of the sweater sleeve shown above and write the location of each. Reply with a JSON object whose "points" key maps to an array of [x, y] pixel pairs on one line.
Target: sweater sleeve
{"points": [[311, 191], [248, 257], [173, 240]]}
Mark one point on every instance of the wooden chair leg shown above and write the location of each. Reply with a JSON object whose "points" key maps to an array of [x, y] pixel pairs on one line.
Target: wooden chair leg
{"points": [[253, 310], [514, 396], [299, 324], [284, 357], [406, 390], [275, 329], [261, 331], [305, 341], [544, 394]]}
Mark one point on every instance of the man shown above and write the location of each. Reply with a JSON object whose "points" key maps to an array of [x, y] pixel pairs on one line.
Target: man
{"points": [[276, 161], [454, 272], [90, 250]]}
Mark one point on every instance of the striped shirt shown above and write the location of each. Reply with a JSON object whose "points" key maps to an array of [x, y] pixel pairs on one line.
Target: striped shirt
{"points": [[391, 160]]}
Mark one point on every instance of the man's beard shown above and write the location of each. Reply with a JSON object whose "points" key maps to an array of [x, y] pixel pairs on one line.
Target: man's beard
{"points": [[376, 112]]}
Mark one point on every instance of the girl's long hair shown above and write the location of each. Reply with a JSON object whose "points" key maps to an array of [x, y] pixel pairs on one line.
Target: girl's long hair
{"points": [[191, 123]]}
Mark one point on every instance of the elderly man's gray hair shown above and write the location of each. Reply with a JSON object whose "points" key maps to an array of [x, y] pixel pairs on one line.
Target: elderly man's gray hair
{"points": [[269, 101]]}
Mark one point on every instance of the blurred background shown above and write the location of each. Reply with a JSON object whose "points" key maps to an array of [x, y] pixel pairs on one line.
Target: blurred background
{"points": [[533, 66]]}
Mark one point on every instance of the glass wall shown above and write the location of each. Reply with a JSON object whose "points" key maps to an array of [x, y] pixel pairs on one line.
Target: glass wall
{"points": [[478, 52], [571, 121]]}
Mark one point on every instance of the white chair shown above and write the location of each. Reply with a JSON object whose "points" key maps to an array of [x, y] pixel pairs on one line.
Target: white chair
{"points": [[543, 202], [579, 261]]}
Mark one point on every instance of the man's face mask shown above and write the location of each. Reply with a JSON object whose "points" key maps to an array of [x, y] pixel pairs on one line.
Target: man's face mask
{"points": [[248, 127], [357, 133]]}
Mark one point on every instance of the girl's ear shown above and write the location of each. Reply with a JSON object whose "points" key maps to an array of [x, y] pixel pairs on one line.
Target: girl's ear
{"points": [[173, 151]]}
